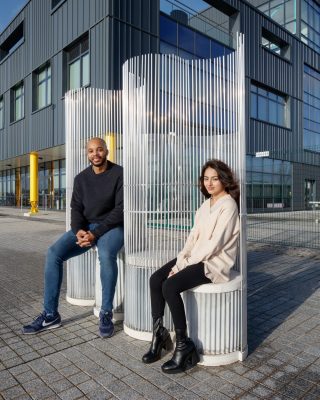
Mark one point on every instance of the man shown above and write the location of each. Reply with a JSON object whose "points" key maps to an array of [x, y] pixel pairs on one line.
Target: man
{"points": [[96, 219]]}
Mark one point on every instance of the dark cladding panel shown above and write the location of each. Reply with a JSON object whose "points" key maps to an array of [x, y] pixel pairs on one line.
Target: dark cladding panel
{"points": [[100, 63], [132, 43], [42, 128], [39, 30]]}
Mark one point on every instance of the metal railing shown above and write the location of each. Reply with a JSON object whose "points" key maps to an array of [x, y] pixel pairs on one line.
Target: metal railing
{"points": [[287, 228]]}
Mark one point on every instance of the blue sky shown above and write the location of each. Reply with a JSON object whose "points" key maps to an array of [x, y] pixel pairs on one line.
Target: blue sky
{"points": [[8, 10]]}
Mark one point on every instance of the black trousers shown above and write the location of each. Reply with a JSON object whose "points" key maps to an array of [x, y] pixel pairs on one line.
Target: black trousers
{"points": [[164, 289]]}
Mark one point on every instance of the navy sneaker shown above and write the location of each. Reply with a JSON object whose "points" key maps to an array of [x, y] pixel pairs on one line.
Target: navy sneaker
{"points": [[106, 327], [42, 323]]}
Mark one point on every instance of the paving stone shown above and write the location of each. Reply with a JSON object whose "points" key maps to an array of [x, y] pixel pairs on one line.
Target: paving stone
{"points": [[254, 375], [13, 392], [60, 386], [6, 380], [26, 376], [69, 370], [12, 362], [186, 395], [99, 394], [88, 386], [248, 396], [79, 378], [19, 369], [123, 391], [231, 391], [71, 394], [291, 391], [37, 389]]}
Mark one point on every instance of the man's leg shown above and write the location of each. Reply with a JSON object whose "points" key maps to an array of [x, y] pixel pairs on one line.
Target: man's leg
{"points": [[59, 252], [63, 249], [109, 246]]}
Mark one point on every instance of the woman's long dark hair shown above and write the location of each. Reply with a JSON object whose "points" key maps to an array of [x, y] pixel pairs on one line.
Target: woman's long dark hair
{"points": [[226, 177]]}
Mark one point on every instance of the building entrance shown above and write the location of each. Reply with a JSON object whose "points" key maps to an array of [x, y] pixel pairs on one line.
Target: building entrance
{"points": [[309, 193]]}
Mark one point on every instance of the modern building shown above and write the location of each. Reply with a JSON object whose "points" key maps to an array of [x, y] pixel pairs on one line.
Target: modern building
{"points": [[52, 46]]}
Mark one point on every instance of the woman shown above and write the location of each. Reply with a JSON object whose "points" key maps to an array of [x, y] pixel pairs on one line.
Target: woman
{"points": [[208, 256]]}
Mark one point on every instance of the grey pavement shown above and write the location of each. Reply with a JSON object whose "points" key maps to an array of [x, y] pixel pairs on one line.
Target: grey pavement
{"points": [[72, 362]]}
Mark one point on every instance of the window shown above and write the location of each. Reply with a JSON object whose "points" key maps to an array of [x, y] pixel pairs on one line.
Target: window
{"points": [[12, 42], [269, 184], [17, 102], [176, 38], [269, 106], [284, 12], [275, 44], [42, 87], [78, 64], [311, 109], [1, 113]]}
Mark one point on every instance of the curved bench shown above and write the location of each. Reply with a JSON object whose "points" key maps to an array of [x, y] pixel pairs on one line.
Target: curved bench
{"points": [[213, 314], [137, 305], [81, 279], [213, 311]]}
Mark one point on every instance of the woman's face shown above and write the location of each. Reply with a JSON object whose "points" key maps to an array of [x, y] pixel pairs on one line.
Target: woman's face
{"points": [[212, 183]]}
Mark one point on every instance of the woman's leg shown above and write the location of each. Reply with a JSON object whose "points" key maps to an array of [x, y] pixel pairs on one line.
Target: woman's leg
{"points": [[156, 282], [190, 277], [160, 335], [185, 354]]}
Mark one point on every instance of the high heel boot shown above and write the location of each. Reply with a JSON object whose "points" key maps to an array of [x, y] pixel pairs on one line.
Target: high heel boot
{"points": [[160, 340], [185, 355]]}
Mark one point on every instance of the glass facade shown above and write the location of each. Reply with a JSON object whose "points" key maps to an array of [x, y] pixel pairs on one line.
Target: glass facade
{"points": [[284, 12], [310, 24], [44, 87], [269, 184], [15, 186], [311, 109], [176, 38], [201, 16], [1, 113], [269, 107]]}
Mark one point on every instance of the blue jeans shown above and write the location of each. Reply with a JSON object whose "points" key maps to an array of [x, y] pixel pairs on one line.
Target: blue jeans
{"points": [[66, 247]]}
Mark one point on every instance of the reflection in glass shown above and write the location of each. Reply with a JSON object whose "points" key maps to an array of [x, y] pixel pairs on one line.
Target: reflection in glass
{"points": [[185, 38], [168, 30], [85, 70], [74, 77]]}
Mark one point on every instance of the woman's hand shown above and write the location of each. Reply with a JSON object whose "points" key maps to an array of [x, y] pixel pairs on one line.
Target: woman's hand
{"points": [[171, 273]]}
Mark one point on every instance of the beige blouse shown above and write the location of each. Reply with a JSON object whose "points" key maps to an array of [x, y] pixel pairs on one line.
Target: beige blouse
{"points": [[213, 240]]}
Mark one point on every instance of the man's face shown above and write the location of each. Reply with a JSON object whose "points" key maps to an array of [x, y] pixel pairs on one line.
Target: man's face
{"points": [[97, 152]]}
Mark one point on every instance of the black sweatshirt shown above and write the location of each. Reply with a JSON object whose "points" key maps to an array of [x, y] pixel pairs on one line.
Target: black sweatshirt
{"points": [[97, 198]]}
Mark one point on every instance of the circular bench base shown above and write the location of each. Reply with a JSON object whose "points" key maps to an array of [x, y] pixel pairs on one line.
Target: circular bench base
{"points": [[215, 360], [117, 316], [140, 335], [81, 302], [207, 360]]}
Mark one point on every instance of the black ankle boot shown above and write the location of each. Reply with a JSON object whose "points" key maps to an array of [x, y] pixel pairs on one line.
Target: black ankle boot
{"points": [[185, 355], [160, 340]]}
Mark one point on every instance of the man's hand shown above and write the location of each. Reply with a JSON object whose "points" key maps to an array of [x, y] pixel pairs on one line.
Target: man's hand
{"points": [[85, 239], [80, 236]]}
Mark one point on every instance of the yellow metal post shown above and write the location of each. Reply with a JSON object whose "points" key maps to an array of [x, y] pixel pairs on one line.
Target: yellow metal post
{"points": [[111, 144], [34, 183]]}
